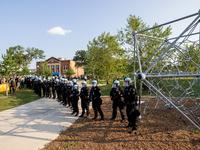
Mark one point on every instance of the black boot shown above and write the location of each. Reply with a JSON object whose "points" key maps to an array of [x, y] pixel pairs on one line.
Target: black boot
{"points": [[133, 131]]}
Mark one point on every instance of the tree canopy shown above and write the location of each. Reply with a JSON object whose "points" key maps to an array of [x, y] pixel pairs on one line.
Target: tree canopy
{"points": [[80, 58], [104, 55], [24, 57], [43, 70], [25, 71], [70, 71], [126, 39], [8, 66]]}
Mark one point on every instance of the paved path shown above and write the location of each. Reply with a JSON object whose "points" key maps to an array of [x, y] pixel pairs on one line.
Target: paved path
{"points": [[30, 126]]}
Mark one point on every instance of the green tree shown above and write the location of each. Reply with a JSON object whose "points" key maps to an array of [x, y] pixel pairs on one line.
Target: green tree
{"points": [[24, 57], [80, 58], [126, 38], [102, 56], [25, 71], [189, 65], [43, 70], [8, 66], [70, 72]]}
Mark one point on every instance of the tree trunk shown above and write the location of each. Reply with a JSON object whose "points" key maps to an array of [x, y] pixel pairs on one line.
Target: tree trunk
{"points": [[6, 88], [107, 81]]}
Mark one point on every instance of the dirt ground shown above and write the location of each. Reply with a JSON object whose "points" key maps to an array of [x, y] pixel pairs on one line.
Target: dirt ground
{"points": [[159, 129]]}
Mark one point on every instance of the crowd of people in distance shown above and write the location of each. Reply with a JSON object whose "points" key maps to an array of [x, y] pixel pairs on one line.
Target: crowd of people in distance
{"points": [[68, 93]]}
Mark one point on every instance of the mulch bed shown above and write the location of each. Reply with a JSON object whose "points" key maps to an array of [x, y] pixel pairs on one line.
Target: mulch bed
{"points": [[159, 129]]}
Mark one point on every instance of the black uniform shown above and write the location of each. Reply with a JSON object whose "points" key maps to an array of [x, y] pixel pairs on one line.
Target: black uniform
{"points": [[35, 86], [95, 94], [130, 98], [49, 85], [69, 92], [54, 89], [12, 85], [61, 92], [75, 97], [39, 87], [44, 87], [58, 91], [65, 96], [115, 95], [84, 100], [28, 83]]}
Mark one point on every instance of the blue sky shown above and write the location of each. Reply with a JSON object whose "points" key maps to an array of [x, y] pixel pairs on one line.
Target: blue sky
{"points": [[27, 22]]}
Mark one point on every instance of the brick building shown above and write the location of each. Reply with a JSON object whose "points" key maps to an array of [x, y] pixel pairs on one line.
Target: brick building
{"points": [[60, 65]]}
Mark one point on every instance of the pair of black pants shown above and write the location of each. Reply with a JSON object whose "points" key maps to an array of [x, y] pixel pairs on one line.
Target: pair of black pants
{"points": [[115, 105], [44, 92], [85, 106], [97, 108], [13, 89], [75, 105], [132, 116], [69, 101], [54, 94], [49, 93]]}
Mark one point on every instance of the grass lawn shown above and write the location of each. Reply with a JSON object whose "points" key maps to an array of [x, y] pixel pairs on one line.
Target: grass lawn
{"points": [[21, 97]]}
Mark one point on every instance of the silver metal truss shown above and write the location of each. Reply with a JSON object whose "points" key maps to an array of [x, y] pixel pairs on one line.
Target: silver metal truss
{"points": [[170, 69]]}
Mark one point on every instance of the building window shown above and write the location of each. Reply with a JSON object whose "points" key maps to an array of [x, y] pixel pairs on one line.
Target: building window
{"points": [[52, 68], [66, 67], [63, 68], [57, 68]]}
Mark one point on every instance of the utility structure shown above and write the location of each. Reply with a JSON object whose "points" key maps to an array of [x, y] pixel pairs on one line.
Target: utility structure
{"points": [[172, 71]]}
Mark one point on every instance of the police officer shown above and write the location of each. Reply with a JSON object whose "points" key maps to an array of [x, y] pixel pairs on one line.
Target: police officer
{"points": [[95, 94], [130, 98], [116, 94], [12, 85], [62, 83], [74, 81], [84, 99], [75, 97], [54, 87], [58, 89], [44, 87], [65, 98], [39, 86], [69, 92], [49, 85]]}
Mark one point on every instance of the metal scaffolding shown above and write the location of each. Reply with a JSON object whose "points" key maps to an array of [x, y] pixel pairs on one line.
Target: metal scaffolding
{"points": [[172, 71]]}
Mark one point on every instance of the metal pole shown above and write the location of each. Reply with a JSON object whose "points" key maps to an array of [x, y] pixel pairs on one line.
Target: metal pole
{"points": [[172, 104], [184, 36], [198, 55], [172, 75], [171, 45], [169, 22], [152, 37], [134, 66], [152, 54], [138, 55]]}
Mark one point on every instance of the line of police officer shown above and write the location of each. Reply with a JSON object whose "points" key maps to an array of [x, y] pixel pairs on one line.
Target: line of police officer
{"points": [[68, 94], [129, 95]]}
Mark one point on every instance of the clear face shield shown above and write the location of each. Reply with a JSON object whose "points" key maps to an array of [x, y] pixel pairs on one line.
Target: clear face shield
{"points": [[114, 85], [83, 84], [126, 83], [94, 84], [69, 84]]}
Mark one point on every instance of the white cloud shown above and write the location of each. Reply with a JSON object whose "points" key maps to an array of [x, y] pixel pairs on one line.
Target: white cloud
{"points": [[58, 30]]}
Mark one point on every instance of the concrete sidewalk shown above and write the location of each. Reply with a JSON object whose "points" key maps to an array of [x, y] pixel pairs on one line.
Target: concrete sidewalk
{"points": [[30, 126]]}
